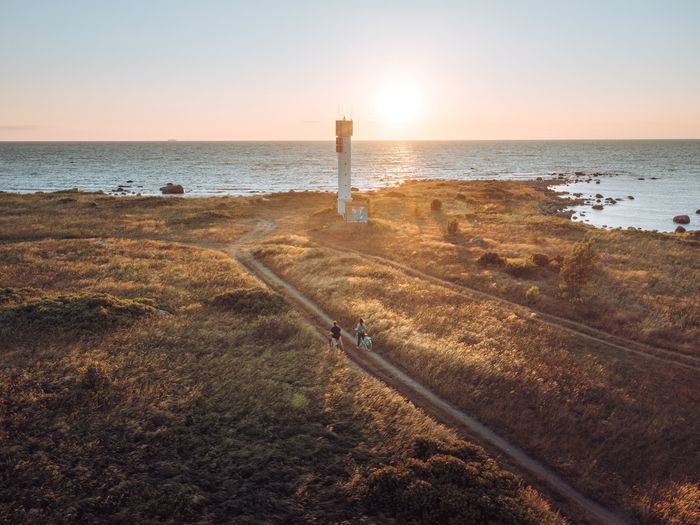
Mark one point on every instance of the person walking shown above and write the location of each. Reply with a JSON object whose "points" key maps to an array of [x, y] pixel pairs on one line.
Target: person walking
{"points": [[361, 330], [336, 336]]}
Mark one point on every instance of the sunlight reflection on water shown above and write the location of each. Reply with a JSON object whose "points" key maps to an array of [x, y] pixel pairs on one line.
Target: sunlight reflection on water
{"points": [[240, 168]]}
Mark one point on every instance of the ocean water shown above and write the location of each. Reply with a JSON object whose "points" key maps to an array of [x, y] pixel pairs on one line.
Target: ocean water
{"points": [[243, 168]]}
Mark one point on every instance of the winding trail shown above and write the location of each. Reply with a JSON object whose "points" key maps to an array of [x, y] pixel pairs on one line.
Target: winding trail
{"points": [[611, 341], [433, 404]]}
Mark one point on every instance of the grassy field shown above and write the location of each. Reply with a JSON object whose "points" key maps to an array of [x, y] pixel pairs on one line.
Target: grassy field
{"points": [[153, 382], [615, 423], [623, 427], [646, 287]]}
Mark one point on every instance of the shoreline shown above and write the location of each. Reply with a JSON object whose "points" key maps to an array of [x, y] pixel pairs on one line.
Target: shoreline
{"points": [[578, 192]]}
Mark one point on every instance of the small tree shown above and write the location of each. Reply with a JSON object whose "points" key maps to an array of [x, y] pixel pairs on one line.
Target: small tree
{"points": [[532, 294], [577, 269]]}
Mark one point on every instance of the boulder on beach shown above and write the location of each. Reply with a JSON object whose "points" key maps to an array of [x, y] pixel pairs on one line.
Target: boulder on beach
{"points": [[172, 189], [598, 196], [579, 173], [681, 219], [630, 197], [680, 229], [597, 206]]}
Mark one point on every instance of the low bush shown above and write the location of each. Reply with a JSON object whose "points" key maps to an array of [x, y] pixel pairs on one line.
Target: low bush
{"points": [[532, 294], [491, 259], [442, 484], [436, 205], [577, 269], [520, 267], [540, 259], [270, 329], [71, 315], [249, 301], [461, 197], [14, 295], [452, 226]]}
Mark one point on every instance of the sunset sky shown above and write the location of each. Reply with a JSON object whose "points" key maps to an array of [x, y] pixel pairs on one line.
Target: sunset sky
{"points": [[217, 70]]}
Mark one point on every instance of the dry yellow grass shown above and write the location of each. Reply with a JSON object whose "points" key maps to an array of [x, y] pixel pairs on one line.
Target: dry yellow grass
{"points": [[622, 427], [210, 414], [647, 286], [619, 425]]}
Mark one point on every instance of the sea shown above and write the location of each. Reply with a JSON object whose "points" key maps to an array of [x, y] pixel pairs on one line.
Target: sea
{"points": [[662, 176]]}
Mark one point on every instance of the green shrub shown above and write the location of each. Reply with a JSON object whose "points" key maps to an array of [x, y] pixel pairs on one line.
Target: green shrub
{"points": [[540, 259], [577, 269], [520, 267], [72, 315], [250, 301], [532, 294], [436, 205], [491, 259], [452, 226]]}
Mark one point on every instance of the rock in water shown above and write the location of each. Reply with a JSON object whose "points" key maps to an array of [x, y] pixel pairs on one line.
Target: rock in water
{"points": [[697, 211], [680, 229], [172, 189], [681, 219]]}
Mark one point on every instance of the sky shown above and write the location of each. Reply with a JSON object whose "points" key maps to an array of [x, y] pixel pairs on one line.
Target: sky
{"points": [[432, 70]]}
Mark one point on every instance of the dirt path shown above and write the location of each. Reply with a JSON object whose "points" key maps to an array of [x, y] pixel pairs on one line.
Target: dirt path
{"points": [[377, 366], [610, 341]]}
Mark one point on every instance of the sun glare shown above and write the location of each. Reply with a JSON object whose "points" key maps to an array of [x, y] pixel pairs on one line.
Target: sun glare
{"points": [[399, 104]]}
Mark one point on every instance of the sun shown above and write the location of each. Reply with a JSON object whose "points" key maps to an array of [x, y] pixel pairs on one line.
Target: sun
{"points": [[399, 103]]}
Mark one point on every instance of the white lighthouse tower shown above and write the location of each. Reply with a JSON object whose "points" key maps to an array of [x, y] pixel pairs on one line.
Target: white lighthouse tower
{"points": [[343, 134]]}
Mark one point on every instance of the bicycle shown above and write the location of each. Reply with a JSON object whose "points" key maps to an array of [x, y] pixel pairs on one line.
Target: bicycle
{"points": [[366, 343]]}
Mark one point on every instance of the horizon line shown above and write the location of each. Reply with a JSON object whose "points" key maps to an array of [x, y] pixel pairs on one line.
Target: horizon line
{"points": [[356, 140]]}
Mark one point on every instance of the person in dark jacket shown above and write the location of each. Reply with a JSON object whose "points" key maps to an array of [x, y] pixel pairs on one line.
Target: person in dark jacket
{"points": [[336, 336]]}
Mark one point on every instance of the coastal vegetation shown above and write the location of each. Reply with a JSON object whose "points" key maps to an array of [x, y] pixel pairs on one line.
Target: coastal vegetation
{"points": [[457, 294], [645, 285], [614, 422], [150, 381]]}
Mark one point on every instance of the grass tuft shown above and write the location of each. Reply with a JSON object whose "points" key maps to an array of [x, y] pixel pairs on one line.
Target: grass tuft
{"points": [[491, 259], [72, 315], [250, 301], [520, 267]]}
